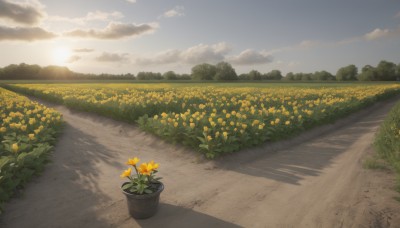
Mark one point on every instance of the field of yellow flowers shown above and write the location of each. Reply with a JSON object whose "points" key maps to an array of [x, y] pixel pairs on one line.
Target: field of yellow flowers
{"points": [[215, 119], [27, 131]]}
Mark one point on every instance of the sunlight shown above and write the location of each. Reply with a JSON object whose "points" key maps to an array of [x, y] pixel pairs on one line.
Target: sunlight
{"points": [[61, 55]]}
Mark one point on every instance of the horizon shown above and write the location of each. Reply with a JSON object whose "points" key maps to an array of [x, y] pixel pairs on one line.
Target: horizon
{"points": [[128, 36]]}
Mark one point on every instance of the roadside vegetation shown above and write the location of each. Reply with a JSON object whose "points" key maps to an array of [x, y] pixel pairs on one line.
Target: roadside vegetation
{"points": [[387, 142], [27, 133], [215, 119]]}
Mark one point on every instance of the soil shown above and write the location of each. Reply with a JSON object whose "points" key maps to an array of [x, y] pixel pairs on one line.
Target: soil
{"points": [[313, 180]]}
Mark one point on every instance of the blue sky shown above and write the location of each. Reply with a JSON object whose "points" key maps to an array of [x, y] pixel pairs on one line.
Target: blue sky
{"points": [[128, 36]]}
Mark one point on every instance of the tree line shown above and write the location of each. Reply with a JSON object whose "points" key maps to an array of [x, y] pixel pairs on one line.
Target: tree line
{"points": [[222, 71]]}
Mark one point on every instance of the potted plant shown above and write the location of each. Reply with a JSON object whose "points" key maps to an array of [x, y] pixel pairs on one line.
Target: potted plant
{"points": [[143, 189]]}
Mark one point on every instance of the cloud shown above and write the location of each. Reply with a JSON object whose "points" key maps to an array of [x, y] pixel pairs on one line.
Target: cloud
{"points": [[205, 53], [177, 11], [165, 57], [26, 13], [381, 33], [200, 53], [131, 1], [397, 15], [113, 31], [91, 16], [83, 50], [250, 57], [73, 58], [308, 43], [113, 57], [25, 34]]}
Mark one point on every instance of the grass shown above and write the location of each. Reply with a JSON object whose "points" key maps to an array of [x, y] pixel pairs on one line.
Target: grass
{"points": [[387, 141], [375, 163]]}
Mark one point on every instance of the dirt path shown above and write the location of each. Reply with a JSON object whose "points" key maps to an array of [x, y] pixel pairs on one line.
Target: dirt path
{"points": [[314, 180]]}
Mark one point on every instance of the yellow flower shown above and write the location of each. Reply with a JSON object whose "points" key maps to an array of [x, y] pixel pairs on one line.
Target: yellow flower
{"points": [[209, 138], [32, 121], [192, 125], [23, 128], [260, 127], [154, 166], [145, 169], [287, 122], [31, 136], [126, 173], [205, 129], [133, 161], [15, 147], [3, 129]]}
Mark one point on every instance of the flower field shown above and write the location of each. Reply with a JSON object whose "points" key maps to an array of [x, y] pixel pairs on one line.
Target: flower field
{"points": [[27, 131], [215, 119]]}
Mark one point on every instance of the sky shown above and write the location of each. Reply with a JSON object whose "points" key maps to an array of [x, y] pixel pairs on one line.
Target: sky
{"points": [[129, 36]]}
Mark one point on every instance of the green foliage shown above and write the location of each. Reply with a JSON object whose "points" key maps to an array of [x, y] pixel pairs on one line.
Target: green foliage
{"points": [[225, 72], [348, 73], [216, 118], [387, 141], [204, 71], [374, 163], [27, 133], [143, 180]]}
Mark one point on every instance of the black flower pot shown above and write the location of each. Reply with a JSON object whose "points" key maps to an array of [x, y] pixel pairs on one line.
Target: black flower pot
{"points": [[143, 206]]}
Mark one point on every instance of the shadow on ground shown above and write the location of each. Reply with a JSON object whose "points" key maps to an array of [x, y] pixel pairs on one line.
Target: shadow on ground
{"points": [[173, 216], [68, 192], [290, 161]]}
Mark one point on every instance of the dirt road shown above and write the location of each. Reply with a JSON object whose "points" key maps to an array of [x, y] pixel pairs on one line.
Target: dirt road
{"points": [[314, 180]]}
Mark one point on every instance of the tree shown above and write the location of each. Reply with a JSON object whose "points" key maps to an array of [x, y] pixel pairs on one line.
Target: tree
{"points": [[275, 75], [243, 76], [225, 72], [298, 76], [289, 76], [322, 76], [254, 75], [368, 73], [348, 73], [184, 77], [149, 76], [306, 77], [398, 72], [386, 71], [204, 71], [170, 75]]}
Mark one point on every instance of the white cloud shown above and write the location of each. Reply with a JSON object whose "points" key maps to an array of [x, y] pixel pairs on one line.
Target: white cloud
{"points": [[131, 1], [113, 31], [308, 43], [250, 57], [165, 57], [177, 11], [79, 50], [377, 34], [113, 57], [73, 58], [204, 53], [25, 34], [90, 16], [200, 53], [27, 13]]}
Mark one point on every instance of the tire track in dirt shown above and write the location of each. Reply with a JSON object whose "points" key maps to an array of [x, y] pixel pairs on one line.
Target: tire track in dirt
{"points": [[313, 180]]}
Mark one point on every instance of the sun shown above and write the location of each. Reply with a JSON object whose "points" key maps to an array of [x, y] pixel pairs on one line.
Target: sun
{"points": [[61, 55]]}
